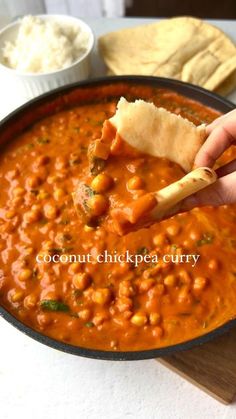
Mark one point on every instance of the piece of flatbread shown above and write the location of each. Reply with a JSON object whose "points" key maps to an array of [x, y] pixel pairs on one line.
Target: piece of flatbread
{"points": [[158, 132], [182, 48]]}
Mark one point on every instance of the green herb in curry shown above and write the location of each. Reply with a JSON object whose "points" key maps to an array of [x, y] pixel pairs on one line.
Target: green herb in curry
{"points": [[54, 305]]}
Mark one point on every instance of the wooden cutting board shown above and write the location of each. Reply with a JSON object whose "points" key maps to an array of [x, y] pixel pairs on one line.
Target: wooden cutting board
{"points": [[212, 366]]}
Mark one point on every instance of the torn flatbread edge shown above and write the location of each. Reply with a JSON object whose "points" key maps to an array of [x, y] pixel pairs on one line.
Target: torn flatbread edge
{"points": [[158, 132]]}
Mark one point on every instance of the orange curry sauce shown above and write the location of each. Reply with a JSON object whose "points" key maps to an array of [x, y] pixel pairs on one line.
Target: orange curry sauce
{"points": [[110, 306]]}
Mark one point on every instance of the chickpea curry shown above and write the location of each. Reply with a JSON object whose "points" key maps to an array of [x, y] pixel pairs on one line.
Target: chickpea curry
{"points": [[116, 306]]}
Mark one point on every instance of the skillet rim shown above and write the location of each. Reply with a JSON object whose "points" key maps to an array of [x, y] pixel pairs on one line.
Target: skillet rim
{"points": [[193, 92]]}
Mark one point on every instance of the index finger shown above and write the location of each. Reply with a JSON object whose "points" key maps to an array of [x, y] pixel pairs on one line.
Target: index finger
{"points": [[221, 120], [221, 138]]}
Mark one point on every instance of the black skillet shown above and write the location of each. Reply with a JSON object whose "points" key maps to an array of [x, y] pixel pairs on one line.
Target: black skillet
{"points": [[49, 103]]}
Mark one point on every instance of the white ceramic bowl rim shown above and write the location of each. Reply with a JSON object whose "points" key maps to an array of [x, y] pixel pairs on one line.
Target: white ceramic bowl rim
{"points": [[80, 22]]}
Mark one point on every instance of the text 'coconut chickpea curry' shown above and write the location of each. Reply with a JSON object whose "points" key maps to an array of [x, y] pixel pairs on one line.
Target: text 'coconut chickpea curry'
{"points": [[111, 306]]}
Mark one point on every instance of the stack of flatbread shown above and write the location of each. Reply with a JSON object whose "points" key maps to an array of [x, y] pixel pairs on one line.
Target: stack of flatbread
{"points": [[182, 48]]}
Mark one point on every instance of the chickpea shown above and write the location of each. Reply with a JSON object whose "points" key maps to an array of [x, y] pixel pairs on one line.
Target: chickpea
{"points": [[61, 163], [152, 272], [99, 318], [85, 314], [28, 251], [170, 280], [81, 281], [18, 192], [88, 293], [33, 181], [25, 274], [46, 245], [36, 207], [16, 202], [10, 214], [42, 161], [17, 296], [7, 227], [156, 291], [98, 205], [157, 332], [30, 301], [88, 228], [124, 304], [32, 216], [195, 235], [185, 297], [146, 284], [59, 193], [12, 174], [50, 211], [199, 283], [173, 229], [135, 182], [42, 195], [139, 319], [74, 268], [101, 183], [102, 296], [44, 319], [100, 234], [154, 318], [52, 179], [41, 173], [126, 289], [159, 239], [185, 277]]}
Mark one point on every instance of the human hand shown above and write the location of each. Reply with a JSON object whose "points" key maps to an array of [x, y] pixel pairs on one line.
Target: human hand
{"points": [[222, 134]]}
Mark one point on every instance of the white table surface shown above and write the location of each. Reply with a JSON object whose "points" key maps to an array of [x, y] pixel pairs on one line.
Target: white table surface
{"points": [[37, 382]]}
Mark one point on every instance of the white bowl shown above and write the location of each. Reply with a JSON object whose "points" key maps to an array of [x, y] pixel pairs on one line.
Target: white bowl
{"points": [[29, 85]]}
